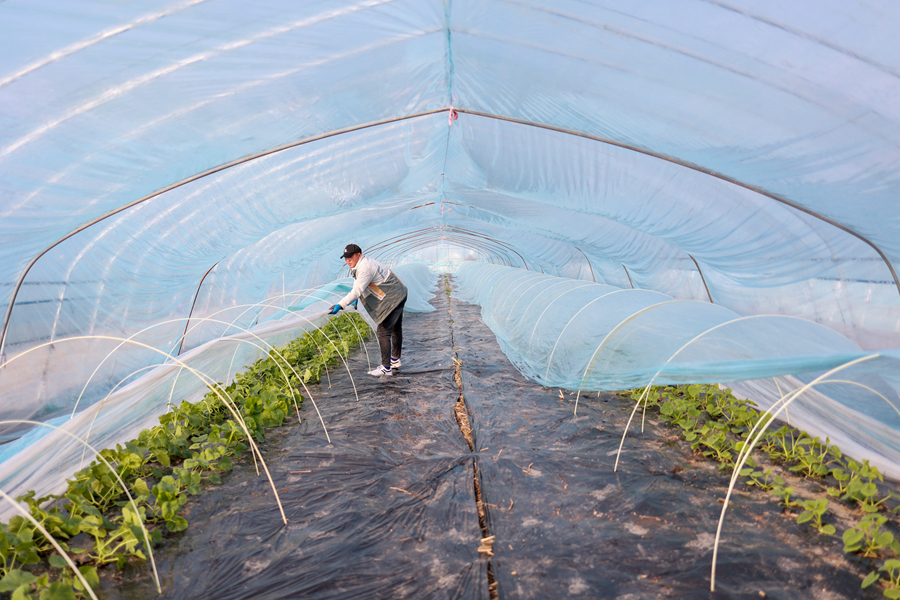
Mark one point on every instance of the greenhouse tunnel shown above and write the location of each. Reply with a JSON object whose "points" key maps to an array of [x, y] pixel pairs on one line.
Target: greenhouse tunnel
{"points": [[700, 191]]}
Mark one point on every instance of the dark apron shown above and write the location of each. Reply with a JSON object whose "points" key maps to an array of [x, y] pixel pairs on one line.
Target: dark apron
{"points": [[384, 297]]}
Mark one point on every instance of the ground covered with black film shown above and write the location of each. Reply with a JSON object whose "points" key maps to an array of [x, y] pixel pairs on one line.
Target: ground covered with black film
{"points": [[390, 508]]}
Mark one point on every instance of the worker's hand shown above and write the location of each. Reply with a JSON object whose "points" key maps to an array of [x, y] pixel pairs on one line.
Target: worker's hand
{"points": [[353, 304], [335, 309]]}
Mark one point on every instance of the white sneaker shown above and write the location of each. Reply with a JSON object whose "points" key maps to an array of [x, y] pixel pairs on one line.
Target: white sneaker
{"points": [[380, 372], [395, 363]]}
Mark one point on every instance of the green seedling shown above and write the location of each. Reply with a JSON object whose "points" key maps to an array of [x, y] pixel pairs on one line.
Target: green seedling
{"points": [[712, 442], [689, 430], [815, 509], [814, 458], [891, 568], [861, 487], [169, 498], [737, 447], [785, 444], [784, 493], [650, 400], [739, 415], [842, 478], [678, 408], [121, 543], [17, 545], [715, 403], [61, 525], [764, 480], [867, 537], [866, 496]]}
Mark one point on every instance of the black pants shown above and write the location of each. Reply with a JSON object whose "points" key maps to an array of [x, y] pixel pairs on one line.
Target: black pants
{"points": [[390, 332]]}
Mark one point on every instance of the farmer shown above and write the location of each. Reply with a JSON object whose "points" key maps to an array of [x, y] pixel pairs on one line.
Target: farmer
{"points": [[383, 295]]}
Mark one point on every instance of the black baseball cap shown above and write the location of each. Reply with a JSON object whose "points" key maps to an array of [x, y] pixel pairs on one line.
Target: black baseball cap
{"points": [[350, 250]]}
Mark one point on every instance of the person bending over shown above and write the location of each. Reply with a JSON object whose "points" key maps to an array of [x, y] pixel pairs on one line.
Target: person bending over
{"points": [[384, 296]]}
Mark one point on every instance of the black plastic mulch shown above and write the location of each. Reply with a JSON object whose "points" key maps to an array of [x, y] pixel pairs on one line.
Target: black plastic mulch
{"points": [[388, 509]]}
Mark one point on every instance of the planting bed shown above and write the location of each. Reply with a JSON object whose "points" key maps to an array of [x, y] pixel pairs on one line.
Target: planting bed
{"points": [[389, 509]]}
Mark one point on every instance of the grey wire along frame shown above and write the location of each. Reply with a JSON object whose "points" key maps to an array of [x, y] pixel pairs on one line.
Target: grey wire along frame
{"points": [[702, 278], [629, 275], [336, 132], [193, 304], [588, 262]]}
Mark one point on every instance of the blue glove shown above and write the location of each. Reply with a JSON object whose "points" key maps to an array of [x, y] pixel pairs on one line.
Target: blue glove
{"points": [[353, 304], [335, 309]]}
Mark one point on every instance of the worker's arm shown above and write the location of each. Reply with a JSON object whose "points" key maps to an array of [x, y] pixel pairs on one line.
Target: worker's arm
{"points": [[365, 273]]}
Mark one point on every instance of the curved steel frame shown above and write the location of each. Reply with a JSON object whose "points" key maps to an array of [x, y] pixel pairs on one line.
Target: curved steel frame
{"points": [[445, 229], [423, 238], [413, 245], [336, 132], [394, 248]]}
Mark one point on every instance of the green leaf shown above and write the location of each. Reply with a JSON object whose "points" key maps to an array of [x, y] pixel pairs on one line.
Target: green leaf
{"points": [[162, 457], [819, 505], [22, 593], [177, 524], [140, 486], [892, 593], [58, 591], [827, 530], [891, 564], [852, 536], [869, 490], [25, 534], [16, 578], [870, 579], [805, 516], [57, 561], [90, 575], [131, 461]]}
